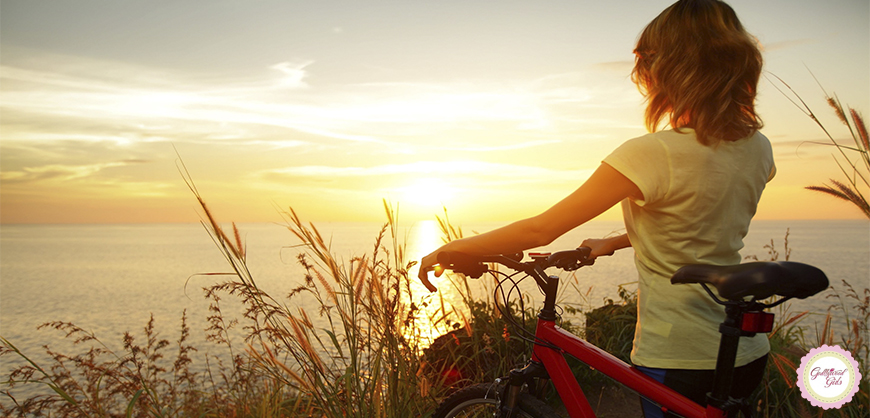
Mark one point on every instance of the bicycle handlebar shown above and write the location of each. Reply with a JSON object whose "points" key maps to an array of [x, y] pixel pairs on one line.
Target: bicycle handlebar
{"points": [[474, 266]]}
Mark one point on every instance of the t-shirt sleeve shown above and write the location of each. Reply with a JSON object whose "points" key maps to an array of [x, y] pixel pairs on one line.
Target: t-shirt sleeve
{"points": [[644, 161]]}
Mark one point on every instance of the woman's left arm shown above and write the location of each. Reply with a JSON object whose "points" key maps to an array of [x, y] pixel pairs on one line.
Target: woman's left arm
{"points": [[605, 188]]}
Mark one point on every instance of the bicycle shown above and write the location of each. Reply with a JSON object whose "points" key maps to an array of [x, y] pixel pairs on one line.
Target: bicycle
{"points": [[522, 392]]}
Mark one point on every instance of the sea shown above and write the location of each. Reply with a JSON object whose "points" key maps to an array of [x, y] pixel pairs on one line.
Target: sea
{"points": [[112, 279]]}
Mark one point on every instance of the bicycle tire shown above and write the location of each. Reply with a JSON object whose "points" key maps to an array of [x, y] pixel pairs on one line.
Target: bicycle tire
{"points": [[480, 401]]}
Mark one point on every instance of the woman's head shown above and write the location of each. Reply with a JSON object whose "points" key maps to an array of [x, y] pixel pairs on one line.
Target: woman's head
{"points": [[699, 68]]}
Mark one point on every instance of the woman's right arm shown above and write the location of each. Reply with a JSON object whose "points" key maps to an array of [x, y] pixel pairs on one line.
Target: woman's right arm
{"points": [[605, 188]]}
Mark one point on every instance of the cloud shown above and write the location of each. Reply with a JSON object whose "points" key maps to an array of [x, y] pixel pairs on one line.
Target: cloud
{"points": [[460, 179], [293, 74], [179, 108], [515, 146], [621, 67], [459, 169], [791, 43], [60, 172], [591, 88]]}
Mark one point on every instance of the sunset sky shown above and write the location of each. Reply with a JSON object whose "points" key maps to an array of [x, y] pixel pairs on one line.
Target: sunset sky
{"points": [[493, 109]]}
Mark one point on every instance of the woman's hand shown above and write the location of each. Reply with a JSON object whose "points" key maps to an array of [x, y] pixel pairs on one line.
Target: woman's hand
{"points": [[606, 246], [427, 264]]}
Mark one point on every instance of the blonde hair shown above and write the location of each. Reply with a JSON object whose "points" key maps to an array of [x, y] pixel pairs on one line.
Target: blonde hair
{"points": [[697, 66]]}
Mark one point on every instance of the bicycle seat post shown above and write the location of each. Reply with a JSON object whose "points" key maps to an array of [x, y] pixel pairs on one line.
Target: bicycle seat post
{"points": [[731, 329]]}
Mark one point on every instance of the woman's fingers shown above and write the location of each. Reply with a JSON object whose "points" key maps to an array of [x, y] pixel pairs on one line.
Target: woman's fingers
{"points": [[427, 264], [424, 277]]}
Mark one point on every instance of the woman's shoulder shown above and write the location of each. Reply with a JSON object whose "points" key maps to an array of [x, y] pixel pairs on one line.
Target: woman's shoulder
{"points": [[669, 137], [760, 139], [756, 143], [684, 140], [647, 144]]}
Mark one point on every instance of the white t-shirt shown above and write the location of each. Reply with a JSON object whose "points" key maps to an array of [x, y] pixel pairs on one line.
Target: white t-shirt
{"points": [[696, 208]]}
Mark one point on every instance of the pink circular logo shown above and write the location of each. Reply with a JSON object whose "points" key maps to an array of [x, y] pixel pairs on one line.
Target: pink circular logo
{"points": [[828, 376]]}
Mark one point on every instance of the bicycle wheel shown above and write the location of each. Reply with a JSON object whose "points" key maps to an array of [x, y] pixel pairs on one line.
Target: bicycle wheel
{"points": [[480, 401]]}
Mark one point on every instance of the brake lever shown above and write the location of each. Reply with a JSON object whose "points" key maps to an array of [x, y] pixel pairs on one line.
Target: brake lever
{"points": [[567, 266], [577, 265]]}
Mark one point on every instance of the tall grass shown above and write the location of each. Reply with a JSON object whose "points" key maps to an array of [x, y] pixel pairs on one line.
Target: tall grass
{"points": [[149, 377], [852, 159], [358, 355]]}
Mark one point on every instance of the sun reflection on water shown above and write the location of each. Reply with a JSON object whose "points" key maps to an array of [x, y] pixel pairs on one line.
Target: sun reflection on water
{"points": [[435, 308]]}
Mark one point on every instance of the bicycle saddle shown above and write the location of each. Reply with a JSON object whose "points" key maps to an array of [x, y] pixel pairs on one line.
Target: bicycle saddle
{"points": [[758, 279]]}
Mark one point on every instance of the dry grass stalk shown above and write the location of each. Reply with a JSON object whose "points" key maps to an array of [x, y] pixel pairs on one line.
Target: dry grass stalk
{"points": [[853, 160], [791, 320], [359, 279], [826, 337], [856, 340], [240, 248], [270, 360], [861, 128], [785, 367], [330, 292]]}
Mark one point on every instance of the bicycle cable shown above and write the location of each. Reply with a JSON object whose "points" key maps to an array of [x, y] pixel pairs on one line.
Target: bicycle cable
{"points": [[504, 309]]}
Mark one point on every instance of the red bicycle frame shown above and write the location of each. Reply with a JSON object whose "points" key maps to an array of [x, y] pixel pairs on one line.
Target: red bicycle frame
{"points": [[569, 390]]}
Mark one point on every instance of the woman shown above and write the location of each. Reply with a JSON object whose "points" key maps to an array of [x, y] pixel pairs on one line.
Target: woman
{"points": [[688, 193]]}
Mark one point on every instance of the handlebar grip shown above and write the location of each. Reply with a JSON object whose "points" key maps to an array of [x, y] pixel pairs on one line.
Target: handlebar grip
{"points": [[570, 259], [461, 263]]}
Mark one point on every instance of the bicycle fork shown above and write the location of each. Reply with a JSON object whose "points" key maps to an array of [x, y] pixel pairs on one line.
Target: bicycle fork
{"points": [[534, 375]]}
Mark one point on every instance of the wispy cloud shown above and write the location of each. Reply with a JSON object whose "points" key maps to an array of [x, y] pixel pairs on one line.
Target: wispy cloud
{"points": [[294, 74], [791, 43], [620, 67], [458, 169], [515, 146], [58, 172]]}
